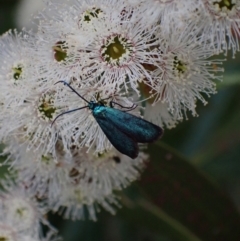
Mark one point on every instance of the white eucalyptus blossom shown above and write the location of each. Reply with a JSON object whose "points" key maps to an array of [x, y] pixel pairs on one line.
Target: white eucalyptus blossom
{"points": [[21, 210], [53, 58], [61, 181], [95, 178], [181, 14], [119, 52], [151, 58], [42, 175], [16, 69], [165, 11], [187, 73], [63, 31], [159, 114], [76, 202], [27, 10], [108, 171], [32, 125], [221, 23], [7, 231], [157, 9], [24, 94], [115, 48]]}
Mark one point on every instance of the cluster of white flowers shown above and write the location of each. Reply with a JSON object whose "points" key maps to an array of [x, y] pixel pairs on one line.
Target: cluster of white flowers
{"points": [[21, 215], [157, 54]]}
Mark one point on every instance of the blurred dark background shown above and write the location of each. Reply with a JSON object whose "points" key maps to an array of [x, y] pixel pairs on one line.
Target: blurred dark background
{"points": [[210, 142], [7, 11]]}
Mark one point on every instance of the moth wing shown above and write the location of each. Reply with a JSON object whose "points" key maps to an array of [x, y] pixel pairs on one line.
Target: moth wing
{"points": [[121, 141], [135, 127]]}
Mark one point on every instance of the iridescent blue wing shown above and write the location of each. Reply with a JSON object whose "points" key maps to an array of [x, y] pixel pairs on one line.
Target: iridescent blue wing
{"points": [[136, 128], [119, 139]]}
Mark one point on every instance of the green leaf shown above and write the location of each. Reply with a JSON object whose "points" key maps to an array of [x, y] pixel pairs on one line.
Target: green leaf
{"points": [[142, 212], [231, 75], [180, 200], [230, 79]]}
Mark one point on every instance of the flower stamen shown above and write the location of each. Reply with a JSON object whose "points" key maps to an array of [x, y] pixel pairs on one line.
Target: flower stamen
{"points": [[179, 66], [225, 4], [93, 13], [46, 106], [60, 53], [116, 50], [17, 72]]}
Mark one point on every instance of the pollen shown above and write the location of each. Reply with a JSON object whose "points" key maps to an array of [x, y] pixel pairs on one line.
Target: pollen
{"points": [[46, 107], [17, 72], [7, 233], [179, 66], [117, 50], [60, 51], [46, 160], [225, 4], [92, 13]]}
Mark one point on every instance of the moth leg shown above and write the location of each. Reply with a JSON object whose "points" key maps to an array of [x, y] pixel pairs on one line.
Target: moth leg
{"points": [[124, 107]]}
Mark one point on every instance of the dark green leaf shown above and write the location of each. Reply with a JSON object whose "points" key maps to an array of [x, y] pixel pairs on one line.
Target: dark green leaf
{"points": [[176, 188]]}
